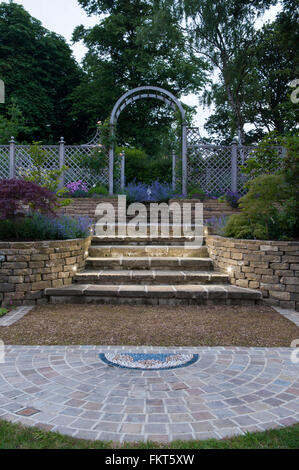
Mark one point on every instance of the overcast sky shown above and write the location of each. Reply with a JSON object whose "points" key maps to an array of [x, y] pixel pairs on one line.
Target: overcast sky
{"points": [[62, 16]]}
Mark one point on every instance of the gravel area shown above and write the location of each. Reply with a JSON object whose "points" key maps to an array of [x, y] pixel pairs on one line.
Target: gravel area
{"points": [[144, 325]]}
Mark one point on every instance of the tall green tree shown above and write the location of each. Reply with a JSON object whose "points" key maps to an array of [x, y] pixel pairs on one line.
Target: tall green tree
{"points": [[223, 33], [118, 60], [266, 87], [39, 72], [13, 125]]}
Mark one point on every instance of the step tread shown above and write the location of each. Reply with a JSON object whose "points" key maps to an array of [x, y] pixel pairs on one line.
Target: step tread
{"points": [[142, 258], [109, 272]]}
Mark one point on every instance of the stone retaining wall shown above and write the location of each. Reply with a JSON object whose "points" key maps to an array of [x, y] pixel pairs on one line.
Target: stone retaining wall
{"points": [[270, 266], [27, 268]]}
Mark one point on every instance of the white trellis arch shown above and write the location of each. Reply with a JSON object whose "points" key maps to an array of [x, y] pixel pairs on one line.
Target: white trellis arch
{"points": [[148, 92]]}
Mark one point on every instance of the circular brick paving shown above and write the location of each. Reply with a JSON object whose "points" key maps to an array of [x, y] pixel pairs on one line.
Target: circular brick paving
{"points": [[227, 391]]}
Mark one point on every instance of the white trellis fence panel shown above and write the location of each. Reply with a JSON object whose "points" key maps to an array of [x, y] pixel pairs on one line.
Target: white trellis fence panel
{"points": [[4, 161], [24, 163], [210, 167], [16, 162], [73, 156]]}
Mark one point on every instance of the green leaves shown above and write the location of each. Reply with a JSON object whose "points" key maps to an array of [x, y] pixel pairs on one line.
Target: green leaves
{"points": [[40, 73]]}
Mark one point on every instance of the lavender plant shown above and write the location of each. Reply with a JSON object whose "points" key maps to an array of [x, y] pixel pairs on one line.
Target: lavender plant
{"points": [[217, 224], [156, 192], [42, 227]]}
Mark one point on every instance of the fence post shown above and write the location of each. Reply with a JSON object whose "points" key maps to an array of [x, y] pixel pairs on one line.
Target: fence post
{"points": [[122, 171], [61, 161], [234, 167], [12, 158], [173, 171], [184, 158]]}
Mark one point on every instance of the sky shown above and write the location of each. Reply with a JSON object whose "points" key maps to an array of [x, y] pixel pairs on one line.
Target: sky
{"points": [[62, 16]]}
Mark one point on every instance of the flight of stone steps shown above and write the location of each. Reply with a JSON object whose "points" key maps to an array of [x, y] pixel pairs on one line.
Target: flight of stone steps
{"points": [[159, 271], [87, 206]]}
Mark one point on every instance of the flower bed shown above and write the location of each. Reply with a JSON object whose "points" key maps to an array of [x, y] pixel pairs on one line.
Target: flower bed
{"points": [[270, 266], [27, 268]]}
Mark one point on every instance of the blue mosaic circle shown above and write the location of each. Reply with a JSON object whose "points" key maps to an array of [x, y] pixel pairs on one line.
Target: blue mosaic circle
{"points": [[148, 361]]}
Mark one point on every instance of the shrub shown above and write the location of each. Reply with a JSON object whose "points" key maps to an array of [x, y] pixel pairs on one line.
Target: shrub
{"points": [[42, 227], [77, 187], [232, 198], [136, 192], [161, 192], [217, 223], [156, 192], [195, 192], [16, 194], [268, 210], [99, 189]]}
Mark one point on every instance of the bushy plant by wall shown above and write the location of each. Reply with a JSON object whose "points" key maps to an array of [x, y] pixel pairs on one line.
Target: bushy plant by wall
{"points": [[16, 195], [268, 210]]}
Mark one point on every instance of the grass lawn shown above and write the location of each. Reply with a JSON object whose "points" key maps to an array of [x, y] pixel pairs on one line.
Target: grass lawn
{"points": [[153, 326], [14, 436]]}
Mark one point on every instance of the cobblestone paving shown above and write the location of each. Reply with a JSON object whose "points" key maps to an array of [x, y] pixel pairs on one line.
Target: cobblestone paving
{"points": [[229, 391]]}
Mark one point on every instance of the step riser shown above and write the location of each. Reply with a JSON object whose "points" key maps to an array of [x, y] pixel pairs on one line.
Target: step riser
{"points": [[147, 263], [148, 301], [123, 280], [139, 241], [147, 251], [154, 295]]}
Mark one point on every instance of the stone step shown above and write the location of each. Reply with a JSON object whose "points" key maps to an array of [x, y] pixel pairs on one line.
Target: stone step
{"points": [[161, 263], [189, 294], [142, 240], [147, 251], [152, 277]]}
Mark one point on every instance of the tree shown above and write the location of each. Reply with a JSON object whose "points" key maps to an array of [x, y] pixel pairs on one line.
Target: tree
{"points": [[117, 61], [13, 125], [223, 32], [39, 73], [266, 91]]}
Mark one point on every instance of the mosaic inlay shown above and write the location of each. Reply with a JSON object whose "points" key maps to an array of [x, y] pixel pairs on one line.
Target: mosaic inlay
{"points": [[148, 361]]}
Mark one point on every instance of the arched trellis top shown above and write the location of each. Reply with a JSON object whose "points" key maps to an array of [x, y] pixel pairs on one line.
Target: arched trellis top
{"points": [[151, 92], [148, 92]]}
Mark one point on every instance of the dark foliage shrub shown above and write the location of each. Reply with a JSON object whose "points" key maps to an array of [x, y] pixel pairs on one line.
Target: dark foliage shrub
{"points": [[15, 195], [268, 211]]}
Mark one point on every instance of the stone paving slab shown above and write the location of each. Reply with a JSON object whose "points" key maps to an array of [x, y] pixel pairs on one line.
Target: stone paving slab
{"points": [[12, 317], [229, 391], [291, 315]]}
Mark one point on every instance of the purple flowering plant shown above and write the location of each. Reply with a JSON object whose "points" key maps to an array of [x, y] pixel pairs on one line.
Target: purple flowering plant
{"points": [[77, 187]]}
